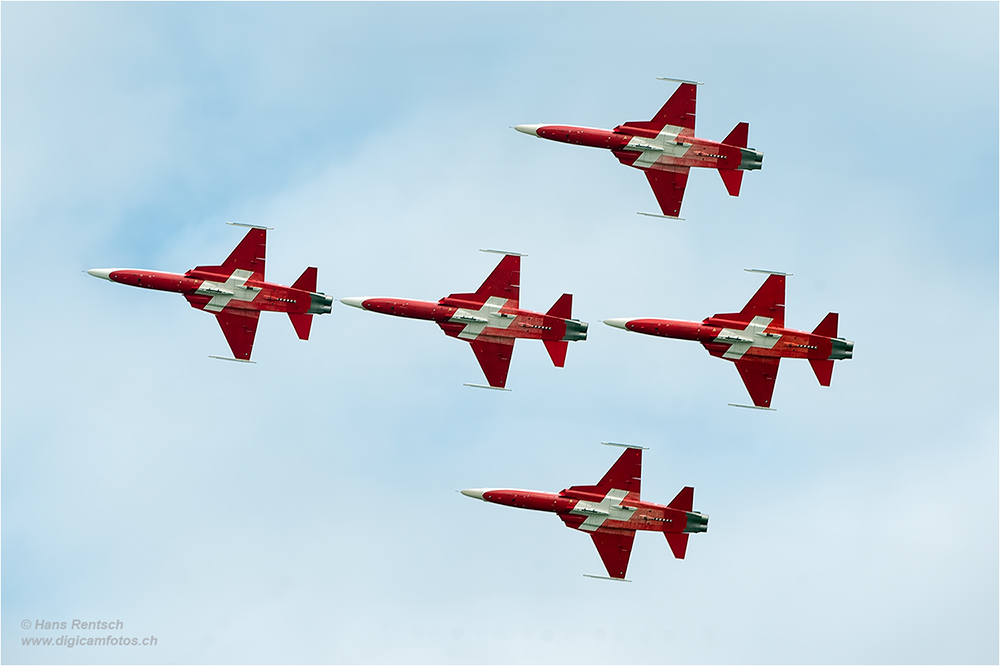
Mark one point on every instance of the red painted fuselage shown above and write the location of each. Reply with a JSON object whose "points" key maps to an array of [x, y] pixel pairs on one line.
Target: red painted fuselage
{"points": [[611, 511], [575, 507], [201, 287], [719, 335], [665, 148], [755, 339], [455, 317], [235, 292], [490, 319]]}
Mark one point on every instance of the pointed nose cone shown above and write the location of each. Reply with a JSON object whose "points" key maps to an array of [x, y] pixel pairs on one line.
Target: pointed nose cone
{"points": [[528, 129], [354, 302], [617, 323], [103, 273], [475, 493]]}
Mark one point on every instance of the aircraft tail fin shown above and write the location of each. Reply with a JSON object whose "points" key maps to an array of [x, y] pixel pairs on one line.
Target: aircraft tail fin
{"points": [[306, 281], [684, 500], [738, 137], [557, 351], [562, 307], [301, 323], [823, 369], [678, 543], [733, 178], [828, 327]]}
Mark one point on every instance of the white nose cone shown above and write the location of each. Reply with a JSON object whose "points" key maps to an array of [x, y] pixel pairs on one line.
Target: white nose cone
{"points": [[617, 323], [475, 493], [528, 129], [103, 273], [355, 302]]}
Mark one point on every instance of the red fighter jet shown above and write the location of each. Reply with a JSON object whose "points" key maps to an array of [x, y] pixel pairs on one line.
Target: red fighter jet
{"points": [[235, 292], [611, 511], [665, 148], [491, 319], [756, 339]]}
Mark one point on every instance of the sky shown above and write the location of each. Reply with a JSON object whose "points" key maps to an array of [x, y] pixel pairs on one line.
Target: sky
{"points": [[304, 509]]}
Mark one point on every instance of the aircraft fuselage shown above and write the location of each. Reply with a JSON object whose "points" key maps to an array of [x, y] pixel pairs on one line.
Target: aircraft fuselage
{"points": [[213, 292], [469, 320], [735, 340], [590, 512], [649, 149]]}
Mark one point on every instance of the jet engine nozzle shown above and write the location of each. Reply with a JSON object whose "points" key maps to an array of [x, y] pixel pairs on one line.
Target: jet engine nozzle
{"points": [[841, 349], [751, 159], [696, 522], [320, 304], [575, 330]]}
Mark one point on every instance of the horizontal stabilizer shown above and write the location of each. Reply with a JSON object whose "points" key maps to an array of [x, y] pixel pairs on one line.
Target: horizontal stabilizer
{"points": [[557, 351], [828, 327], [302, 322], [684, 500], [738, 137], [823, 369], [678, 543], [563, 307], [732, 178], [306, 281]]}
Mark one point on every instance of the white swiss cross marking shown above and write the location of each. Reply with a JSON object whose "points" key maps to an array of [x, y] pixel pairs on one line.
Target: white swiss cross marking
{"points": [[609, 508], [664, 145], [753, 335], [488, 315], [223, 292]]}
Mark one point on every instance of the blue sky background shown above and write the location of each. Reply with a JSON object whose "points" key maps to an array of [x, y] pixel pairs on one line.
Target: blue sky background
{"points": [[304, 509]]}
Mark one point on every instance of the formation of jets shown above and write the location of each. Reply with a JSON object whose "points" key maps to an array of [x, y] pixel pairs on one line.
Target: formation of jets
{"points": [[491, 320]]}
